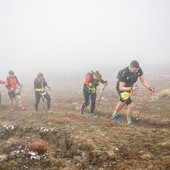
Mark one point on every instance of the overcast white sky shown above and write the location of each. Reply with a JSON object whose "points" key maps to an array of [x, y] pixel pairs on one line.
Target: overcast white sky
{"points": [[44, 35]]}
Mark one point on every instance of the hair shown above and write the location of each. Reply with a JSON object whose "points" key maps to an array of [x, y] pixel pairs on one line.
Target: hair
{"points": [[40, 75], [11, 72], [134, 63], [97, 74]]}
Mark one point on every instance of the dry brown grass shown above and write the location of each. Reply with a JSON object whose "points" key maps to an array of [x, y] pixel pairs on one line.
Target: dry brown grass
{"points": [[66, 140], [63, 120], [161, 94], [40, 146], [13, 144], [59, 119], [164, 93]]}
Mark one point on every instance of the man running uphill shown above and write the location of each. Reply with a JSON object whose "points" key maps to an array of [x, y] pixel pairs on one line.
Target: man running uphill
{"points": [[92, 80], [125, 86]]}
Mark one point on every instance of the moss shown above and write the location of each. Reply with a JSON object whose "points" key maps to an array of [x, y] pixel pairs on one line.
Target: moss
{"points": [[55, 163], [111, 154], [9, 165]]}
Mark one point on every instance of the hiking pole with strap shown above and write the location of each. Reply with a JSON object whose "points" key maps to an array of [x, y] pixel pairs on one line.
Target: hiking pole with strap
{"points": [[20, 89], [144, 105], [100, 97], [102, 93], [43, 100]]}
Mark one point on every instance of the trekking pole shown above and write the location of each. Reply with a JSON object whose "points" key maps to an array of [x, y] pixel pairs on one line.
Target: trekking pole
{"points": [[122, 104], [43, 100], [144, 105], [102, 93], [20, 89]]}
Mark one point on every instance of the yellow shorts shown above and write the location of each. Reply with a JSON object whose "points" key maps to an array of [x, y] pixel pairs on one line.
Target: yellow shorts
{"points": [[125, 95]]}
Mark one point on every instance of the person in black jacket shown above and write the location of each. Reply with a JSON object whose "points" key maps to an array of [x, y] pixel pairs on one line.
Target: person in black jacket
{"points": [[125, 86], [39, 86], [92, 80]]}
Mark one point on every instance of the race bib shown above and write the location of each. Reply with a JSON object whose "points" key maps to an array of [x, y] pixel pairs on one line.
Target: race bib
{"points": [[125, 95]]}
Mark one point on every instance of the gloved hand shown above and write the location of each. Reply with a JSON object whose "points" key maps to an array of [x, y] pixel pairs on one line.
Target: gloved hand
{"points": [[134, 88], [152, 89], [40, 90], [11, 89], [17, 91]]}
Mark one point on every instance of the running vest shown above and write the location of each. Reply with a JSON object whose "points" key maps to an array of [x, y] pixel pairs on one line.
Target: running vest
{"points": [[11, 82]]}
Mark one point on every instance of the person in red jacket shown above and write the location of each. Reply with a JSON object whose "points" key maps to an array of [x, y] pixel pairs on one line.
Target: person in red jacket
{"points": [[92, 80], [14, 87], [1, 82]]}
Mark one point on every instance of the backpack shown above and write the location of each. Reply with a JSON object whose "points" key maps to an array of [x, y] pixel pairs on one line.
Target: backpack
{"points": [[119, 74], [8, 86]]}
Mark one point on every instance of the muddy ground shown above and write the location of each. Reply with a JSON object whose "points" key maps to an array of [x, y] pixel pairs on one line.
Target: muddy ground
{"points": [[65, 140]]}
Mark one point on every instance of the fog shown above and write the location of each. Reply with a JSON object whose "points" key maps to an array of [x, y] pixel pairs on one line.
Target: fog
{"points": [[60, 37]]}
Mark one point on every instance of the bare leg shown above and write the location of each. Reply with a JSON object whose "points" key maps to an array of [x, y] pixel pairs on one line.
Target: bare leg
{"points": [[20, 102], [117, 108], [11, 103], [114, 116]]}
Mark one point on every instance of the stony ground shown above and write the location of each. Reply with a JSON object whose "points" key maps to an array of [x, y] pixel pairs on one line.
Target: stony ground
{"points": [[64, 140]]}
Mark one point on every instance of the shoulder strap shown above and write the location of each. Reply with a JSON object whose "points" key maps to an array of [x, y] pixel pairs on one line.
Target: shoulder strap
{"points": [[121, 73], [17, 80], [8, 81]]}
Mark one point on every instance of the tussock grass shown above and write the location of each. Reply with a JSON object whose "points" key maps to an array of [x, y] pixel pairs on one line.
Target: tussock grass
{"points": [[164, 93], [40, 146], [12, 144], [161, 94]]}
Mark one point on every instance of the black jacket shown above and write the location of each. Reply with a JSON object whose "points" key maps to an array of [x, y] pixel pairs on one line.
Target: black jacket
{"points": [[127, 77], [39, 85]]}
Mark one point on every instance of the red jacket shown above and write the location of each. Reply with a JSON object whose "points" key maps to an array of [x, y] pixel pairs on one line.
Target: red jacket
{"points": [[11, 83], [2, 82], [90, 83]]}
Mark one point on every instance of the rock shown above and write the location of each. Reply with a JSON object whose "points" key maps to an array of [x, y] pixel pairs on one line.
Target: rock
{"points": [[3, 157]]}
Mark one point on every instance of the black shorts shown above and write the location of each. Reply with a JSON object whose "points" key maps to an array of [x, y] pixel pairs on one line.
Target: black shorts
{"points": [[128, 101], [12, 94]]}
